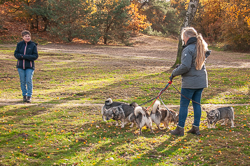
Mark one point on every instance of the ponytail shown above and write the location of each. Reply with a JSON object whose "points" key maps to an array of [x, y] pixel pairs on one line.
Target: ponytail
{"points": [[201, 48]]}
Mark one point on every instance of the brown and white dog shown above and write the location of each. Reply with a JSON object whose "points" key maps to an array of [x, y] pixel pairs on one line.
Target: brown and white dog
{"points": [[162, 115]]}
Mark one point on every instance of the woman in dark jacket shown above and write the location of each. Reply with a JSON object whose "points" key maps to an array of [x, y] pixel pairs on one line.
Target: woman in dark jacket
{"points": [[26, 54], [194, 78]]}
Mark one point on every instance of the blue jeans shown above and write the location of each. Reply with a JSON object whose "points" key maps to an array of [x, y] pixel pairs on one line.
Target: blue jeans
{"points": [[194, 94], [26, 76]]}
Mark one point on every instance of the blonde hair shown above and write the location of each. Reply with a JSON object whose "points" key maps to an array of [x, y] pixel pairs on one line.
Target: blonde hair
{"points": [[201, 46]]}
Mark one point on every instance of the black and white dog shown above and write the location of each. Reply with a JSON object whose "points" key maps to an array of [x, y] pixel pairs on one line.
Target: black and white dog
{"points": [[118, 111]]}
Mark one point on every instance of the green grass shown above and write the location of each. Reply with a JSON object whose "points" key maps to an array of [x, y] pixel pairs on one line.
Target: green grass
{"points": [[58, 129], [246, 57], [216, 48], [36, 135]]}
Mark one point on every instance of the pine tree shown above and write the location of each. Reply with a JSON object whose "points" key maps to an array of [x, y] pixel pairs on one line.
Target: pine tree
{"points": [[68, 18], [110, 20]]}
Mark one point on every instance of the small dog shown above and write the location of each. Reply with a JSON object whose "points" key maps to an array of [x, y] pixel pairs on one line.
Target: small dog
{"points": [[119, 112], [160, 115], [106, 111], [142, 118], [218, 114]]}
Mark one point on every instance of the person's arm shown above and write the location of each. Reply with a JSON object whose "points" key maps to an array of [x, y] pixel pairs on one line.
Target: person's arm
{"points": [[17, 53], [186, 62], [207, 53], [33, 56]]}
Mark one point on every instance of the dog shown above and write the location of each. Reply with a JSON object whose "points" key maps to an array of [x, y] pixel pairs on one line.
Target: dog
{"points": [[162, 115], [223, 113], [142, 118], [106, 111], [119, 112]]}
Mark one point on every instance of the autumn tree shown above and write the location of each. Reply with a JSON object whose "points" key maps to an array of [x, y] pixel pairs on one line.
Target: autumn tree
{"points": [[236, 25], [225, 21], [39, 13], [110, 20], [2, 15], [68, 18], [113, 20], [137, 21], [209, 19], [162, 16]]}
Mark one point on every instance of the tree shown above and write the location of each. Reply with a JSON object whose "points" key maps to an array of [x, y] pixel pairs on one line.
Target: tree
{"points": [[38, 10], [225, 21], [110, 20], [236, 25], [162, 16], [209, 19], [68, 18], [138, 21], [190, 13]]}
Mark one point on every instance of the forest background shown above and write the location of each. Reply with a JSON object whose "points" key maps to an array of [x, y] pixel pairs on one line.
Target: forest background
{"points": [[223, 23]]}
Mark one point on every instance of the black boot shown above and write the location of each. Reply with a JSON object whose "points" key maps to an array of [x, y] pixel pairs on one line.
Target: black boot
{"points": [[178, 131], [28, 99], [24, 98], [195, 130]]}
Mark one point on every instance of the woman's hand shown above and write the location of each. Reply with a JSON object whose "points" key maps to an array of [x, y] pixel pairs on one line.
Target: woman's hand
{"points": [[171, 77]]}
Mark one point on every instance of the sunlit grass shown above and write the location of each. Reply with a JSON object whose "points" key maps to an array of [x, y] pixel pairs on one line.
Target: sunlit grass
{"points": [[75, 134], [59, 129]]}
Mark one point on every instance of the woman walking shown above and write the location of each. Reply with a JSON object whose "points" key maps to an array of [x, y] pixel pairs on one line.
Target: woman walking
{"points": [[194, 78], [26, 54]]}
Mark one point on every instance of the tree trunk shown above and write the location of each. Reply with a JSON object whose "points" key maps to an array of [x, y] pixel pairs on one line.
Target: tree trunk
{"points": [[37, 23], [190, 13], [105, 39], [45, 20]]}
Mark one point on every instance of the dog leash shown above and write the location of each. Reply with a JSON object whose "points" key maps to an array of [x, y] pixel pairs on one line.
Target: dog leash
{"points": [[166, 87], [185, 96], [165, 106], [163, 103], [170, 82]]}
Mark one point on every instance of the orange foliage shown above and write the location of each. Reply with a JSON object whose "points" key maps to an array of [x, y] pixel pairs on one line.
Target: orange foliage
{"points": [[180, 5], [236, 25], [138, 21], [225, 20]]}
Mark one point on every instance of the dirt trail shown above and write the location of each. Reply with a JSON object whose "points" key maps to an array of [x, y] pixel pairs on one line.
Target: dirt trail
{"points": [[150, 47]]}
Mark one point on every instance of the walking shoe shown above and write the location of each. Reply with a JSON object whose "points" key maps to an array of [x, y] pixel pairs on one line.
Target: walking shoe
{"points": [[28, 99], [195, 130], [178, 131], [24, 98]]}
